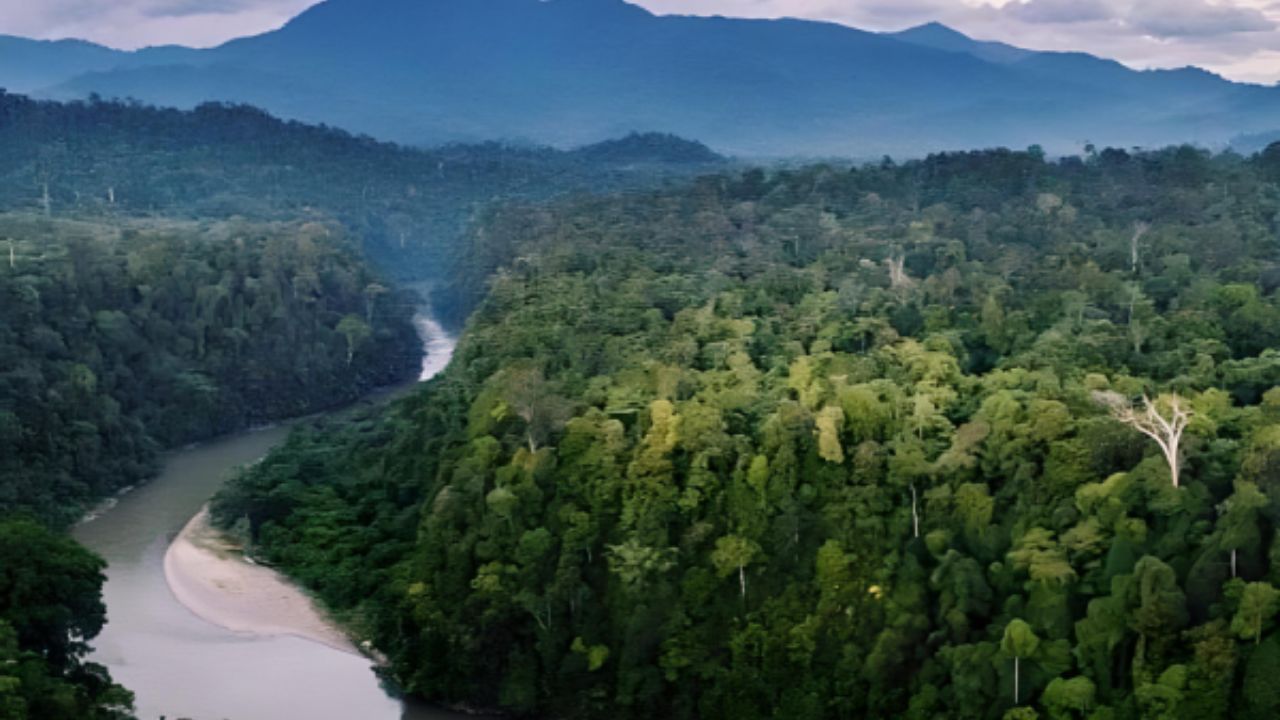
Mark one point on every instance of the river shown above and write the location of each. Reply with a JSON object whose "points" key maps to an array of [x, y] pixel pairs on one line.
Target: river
{"points": [[180, 666]]}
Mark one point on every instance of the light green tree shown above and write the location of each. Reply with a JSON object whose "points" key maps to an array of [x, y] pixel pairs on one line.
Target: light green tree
{"points": [[356, 332], [734, 553], [1019, 643], [1258, 606]]}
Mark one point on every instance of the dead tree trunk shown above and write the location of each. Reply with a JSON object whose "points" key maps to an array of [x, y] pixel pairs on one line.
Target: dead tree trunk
{"points": [[1166, 428], [1140, 231], [915, 511], [898, 278]]}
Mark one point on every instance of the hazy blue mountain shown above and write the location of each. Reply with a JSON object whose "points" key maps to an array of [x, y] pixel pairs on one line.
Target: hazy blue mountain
{"points": [[27, 65], [571, 72], [941, 37], [649, 148], [31, 65]]}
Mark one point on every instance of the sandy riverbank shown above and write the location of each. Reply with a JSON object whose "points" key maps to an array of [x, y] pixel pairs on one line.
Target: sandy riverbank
{"points": [[209, 576]]}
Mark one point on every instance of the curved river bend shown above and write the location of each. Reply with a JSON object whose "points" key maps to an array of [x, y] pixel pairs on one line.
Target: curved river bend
{"points": [[180, 666]]}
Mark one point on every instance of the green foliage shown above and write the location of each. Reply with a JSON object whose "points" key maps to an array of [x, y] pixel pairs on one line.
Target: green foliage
{"points": [[130, 337], [50, 607], [826, 442], [407, 207], [1259, 603]]}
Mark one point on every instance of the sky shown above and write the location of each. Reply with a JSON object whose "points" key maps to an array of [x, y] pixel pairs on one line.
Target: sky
{"points": [[1236, 38]]}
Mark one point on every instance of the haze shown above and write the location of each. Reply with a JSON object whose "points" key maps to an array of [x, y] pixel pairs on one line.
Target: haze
{"points": [[1235, 38]]}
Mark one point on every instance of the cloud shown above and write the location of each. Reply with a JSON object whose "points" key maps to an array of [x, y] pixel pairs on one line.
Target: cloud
{"points": [[130, 24], [1196, 18], [1061, 11], [184, 8]]}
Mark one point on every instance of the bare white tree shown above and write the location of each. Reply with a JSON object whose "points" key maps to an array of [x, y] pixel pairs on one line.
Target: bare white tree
{"points": [[1140, 230], [1164, 420], [898, 277], [915, 510]]}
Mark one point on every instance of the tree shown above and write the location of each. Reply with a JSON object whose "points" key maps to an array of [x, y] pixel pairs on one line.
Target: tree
{"points": [[828, 424], [1019, 643], [1261, 692], [1161, 700], [356, 332], [533, 399], [1042, 557], [50, 592], [732, 553], [1163, 421], [1157, 608], [1258, 606], [1238, 521], [636, 564], [1069, 699]]}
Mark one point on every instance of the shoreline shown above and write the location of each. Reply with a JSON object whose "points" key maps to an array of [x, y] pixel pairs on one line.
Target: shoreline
{"points": [[209, 576]]}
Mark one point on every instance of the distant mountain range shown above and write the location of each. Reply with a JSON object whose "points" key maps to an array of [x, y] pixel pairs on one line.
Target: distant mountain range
{"points": [[572, 72]]}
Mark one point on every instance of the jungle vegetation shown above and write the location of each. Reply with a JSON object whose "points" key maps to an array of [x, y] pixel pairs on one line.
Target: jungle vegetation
{"points": [[50, 608], [125, 339], [169, 276], [980, 436], [408, 208]]}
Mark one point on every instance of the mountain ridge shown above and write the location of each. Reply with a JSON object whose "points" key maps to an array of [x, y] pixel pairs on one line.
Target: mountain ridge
{"points": [[574, 72]]}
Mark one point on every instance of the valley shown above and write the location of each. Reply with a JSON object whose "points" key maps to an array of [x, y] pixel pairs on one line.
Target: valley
{"points": [[573, 359], [191, 640]]}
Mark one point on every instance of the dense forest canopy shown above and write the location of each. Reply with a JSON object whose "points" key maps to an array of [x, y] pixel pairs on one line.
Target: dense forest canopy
{"points": [[409, 208], [170, 276], [174, 275], [880, 442], [122, 339]]}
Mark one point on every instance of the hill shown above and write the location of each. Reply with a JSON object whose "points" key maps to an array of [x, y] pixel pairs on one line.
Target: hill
{"points": [[829, 444], [408, 208], [571, 72]]}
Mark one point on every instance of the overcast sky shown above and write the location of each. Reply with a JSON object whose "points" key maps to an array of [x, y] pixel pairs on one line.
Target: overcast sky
{"points": [[1238, 38]]}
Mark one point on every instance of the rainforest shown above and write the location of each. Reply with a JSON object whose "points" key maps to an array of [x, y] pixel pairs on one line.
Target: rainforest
{"points": [[975, 434], [831, 442]]}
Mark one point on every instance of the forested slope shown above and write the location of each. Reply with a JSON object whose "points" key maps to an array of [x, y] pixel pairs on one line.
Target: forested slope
{"points": [[409, 208], [119, 340], [168, 276], [832, 444], [126, 293]]}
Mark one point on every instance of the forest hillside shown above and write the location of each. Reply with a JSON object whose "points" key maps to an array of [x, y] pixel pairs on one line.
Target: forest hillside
{"points": [[979, 436]]}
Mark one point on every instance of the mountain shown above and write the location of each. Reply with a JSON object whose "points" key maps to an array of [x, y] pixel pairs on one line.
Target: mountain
{"points": [[571, 72], [28, 65], [941, 37], [650, 148]]}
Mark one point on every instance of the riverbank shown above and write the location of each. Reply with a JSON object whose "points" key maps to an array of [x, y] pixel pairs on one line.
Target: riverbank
{"points": [[209, 575]]}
